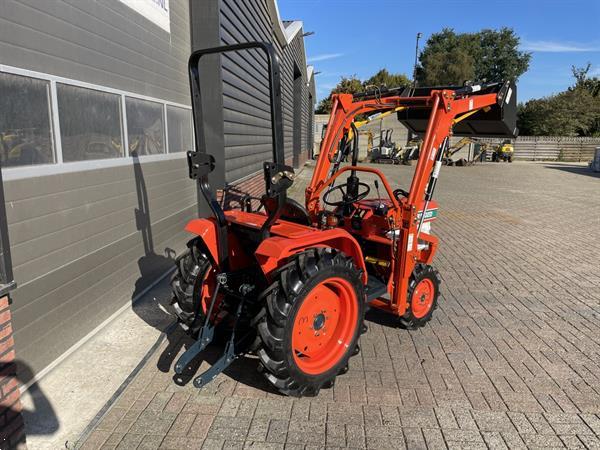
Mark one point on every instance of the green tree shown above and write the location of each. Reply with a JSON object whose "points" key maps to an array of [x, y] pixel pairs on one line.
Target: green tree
{"points": [[350, 85], [353, 85], [584, 81], [446, 59], [574, 112], [451, 58], [385, 78]]}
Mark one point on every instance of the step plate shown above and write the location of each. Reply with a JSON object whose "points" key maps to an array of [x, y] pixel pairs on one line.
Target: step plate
{"points": [[375, 288]]}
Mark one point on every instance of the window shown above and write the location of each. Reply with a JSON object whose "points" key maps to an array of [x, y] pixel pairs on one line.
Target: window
{"points": [[145, 127], [179, 121], [90, 123], [25, 130]]}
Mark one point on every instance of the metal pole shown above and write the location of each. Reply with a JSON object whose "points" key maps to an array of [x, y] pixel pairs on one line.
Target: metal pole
{"points": [[419, 35], [409, 134]]}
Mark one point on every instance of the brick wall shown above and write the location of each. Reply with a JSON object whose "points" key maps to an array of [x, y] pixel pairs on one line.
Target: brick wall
{"points": [[12, 431]]}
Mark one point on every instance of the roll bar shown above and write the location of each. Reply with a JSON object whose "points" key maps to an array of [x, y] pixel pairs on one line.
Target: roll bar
{"points": [[277, 176]]}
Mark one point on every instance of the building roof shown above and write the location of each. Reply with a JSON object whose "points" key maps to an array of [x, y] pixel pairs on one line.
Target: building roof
{"points": [[286, 31]]}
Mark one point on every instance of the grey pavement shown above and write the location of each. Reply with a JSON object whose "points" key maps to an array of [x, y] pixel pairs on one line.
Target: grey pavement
{"points": [[511, 358]]}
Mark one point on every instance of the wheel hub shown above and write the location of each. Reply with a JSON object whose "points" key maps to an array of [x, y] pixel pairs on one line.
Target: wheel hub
{"points": [[423, 298], [319, 321]]}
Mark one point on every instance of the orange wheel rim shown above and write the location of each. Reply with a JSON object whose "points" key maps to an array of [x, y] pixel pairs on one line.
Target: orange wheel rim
{"points": [[422, 298], [324, 326]]}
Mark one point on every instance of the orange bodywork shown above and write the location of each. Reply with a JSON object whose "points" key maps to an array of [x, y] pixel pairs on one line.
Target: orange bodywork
{"points": [[287, 239], [394, 238]]}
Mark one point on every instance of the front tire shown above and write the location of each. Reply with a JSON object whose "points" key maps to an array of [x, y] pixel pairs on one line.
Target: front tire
{"points": [[423, 292], [312, 321]]}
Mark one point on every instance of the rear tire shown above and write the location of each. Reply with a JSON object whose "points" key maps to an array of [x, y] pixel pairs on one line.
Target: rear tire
{"points": [[318, 293], [423, 292], [187, 283]]}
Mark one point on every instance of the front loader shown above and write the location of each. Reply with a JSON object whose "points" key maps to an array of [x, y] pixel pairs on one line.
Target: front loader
{"points": [[291, 283]]}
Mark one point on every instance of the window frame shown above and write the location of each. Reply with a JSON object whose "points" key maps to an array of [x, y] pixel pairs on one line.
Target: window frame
{"points": [[7, 281], [59, 166]]}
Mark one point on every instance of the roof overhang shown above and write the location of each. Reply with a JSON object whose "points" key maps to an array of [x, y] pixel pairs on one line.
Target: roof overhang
{"points": [[310, 77], [284, 34]]}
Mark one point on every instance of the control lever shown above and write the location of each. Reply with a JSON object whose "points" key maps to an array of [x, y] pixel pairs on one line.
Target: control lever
{"points": [[381, 209]]}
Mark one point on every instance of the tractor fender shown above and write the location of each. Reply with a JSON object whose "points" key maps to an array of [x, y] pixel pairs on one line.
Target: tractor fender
{"points": [[206, 230], [274, 251]]}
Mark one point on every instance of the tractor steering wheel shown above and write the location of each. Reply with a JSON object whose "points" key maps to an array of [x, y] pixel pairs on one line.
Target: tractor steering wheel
{"points": [[346, 200]]}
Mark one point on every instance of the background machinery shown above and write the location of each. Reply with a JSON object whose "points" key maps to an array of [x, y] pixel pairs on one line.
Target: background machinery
{"points": [[291, 283], [503, 152]]}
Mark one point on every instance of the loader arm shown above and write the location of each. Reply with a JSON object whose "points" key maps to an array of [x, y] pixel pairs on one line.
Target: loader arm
{"points": [[444, 108], [345, 109]]}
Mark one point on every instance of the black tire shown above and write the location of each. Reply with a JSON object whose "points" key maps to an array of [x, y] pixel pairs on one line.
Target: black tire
{"points": [[421, 272], [283, 300], [186, 282]]}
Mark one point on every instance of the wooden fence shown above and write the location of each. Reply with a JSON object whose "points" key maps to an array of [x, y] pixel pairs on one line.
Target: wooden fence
{"points": [[553, 148]]}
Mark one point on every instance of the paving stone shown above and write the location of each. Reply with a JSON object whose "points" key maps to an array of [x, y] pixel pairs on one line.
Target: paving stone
{"points": [[213, 444], [277, 430], [181, 443], [182, 424], [464, 436], [229, 428], [414, 438], [200, 404], [343, 413], [130, 441], [257, 445], [542, 441], [153, 422], [151, 442], [355, 436], [335, 435], [493, 421], [510, 359], [572, 441], [111, 419], [306, 432]]}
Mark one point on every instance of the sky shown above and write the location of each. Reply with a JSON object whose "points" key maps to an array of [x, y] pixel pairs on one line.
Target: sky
{"points": [[355, 37]]}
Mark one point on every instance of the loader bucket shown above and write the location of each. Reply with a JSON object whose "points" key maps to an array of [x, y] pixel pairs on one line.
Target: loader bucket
{"points": [[499, 121]]}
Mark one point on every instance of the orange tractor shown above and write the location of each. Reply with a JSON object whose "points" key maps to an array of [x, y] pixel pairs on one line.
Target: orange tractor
{"points": [[291, 284]]}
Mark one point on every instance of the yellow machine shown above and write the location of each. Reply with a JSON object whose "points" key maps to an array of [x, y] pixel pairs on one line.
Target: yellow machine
{"points": [[479, 149], [504, 152]]}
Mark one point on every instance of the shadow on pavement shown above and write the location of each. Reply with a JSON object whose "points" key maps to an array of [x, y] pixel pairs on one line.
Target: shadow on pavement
{"points": [[41, 419], [158, 313], [242, 370], [381, 318], [578, 170]]}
